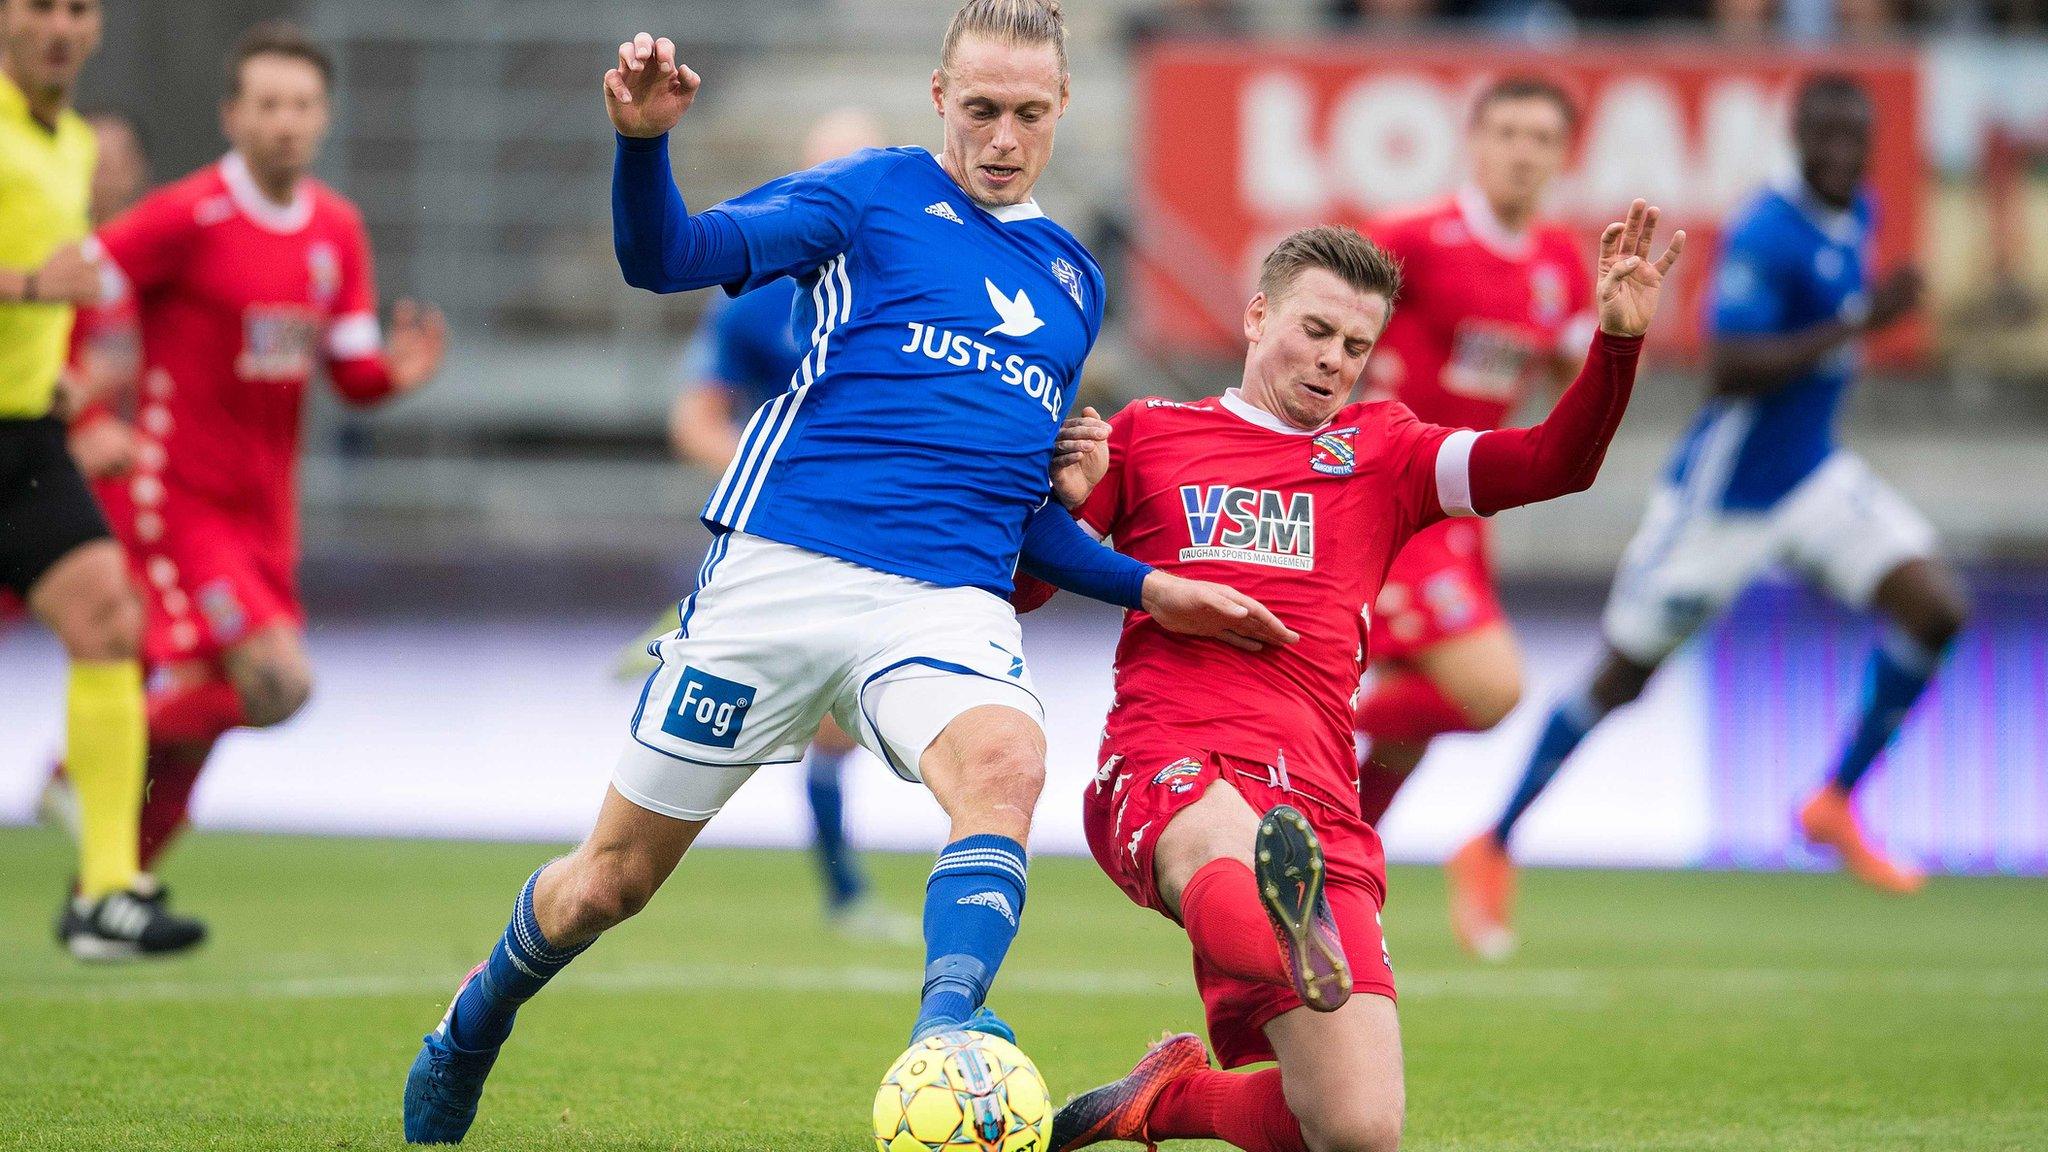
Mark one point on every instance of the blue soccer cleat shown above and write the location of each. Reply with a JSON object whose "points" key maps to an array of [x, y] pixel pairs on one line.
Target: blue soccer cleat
{"points": [[987, 1022], [445, 1083]]}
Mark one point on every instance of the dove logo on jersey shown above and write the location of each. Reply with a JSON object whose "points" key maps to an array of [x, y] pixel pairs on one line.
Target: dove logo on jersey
{"points": [[1250, 526], [1016, 317]]}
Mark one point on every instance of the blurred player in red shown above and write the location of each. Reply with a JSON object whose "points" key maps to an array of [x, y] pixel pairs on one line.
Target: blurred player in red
{"points": [[1494, 302], [248, 276], [1226, 797]]}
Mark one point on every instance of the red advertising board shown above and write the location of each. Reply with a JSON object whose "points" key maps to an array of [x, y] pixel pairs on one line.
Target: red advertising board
{"points": [[1240, 143]]}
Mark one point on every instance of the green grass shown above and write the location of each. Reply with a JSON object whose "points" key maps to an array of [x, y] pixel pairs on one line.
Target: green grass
{"points": [[1646, 1010]]}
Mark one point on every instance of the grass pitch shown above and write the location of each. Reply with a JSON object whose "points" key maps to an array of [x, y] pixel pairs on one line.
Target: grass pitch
{"points": [[1646, 1010]]}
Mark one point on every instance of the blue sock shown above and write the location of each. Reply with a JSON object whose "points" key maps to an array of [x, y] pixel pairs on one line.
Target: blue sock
{"points": [[1898, 672], [971, 907], [522, 962], [843, 881], [1569, 723]]}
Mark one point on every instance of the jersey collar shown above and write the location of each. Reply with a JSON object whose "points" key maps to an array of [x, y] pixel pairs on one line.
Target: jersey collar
{"points": [[1486, 226], [1235, 403], [283, 219], [1006, 213], [1837, 224]]}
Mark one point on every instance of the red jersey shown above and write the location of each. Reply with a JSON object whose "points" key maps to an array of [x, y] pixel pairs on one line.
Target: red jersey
{"points": [[1304, 522], [1484, 313], [241, 299]]}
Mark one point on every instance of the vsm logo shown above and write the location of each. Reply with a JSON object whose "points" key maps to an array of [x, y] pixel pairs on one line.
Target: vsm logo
{"points": [[1250, 525]]}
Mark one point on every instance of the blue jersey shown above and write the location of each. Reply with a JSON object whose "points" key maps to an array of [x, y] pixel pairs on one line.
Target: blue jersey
{"points": [[942, 344], [747, 346], [1790, 263]]}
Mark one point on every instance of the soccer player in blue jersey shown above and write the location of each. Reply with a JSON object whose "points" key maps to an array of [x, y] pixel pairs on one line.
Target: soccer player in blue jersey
{"points": [[1760, 480], [870, 525], [741, 358]]}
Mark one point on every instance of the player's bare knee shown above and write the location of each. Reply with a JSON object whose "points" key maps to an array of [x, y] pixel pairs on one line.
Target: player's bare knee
{"points": [[1354, 1129], [606, 889], [1012, 777], [272, 692], [100, 617], [1488, 702]]}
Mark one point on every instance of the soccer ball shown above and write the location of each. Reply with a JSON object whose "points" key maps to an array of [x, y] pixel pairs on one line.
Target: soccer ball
{"points": [[960, 1091]]}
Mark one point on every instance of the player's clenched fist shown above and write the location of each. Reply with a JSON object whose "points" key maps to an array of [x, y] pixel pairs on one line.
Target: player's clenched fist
{"points": [[648, 90], [1080, 457]]}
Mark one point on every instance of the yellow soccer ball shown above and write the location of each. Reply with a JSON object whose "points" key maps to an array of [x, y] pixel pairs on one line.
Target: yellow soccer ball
{"points": [[961, 1091]]}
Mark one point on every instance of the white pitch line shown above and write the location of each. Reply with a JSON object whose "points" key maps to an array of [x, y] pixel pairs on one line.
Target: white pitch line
{"points": [[1589, 986]]}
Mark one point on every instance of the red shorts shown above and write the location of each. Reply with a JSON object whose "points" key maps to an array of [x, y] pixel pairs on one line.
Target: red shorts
{"points": [[1138, 791], [209, 579], [1440, 586]]}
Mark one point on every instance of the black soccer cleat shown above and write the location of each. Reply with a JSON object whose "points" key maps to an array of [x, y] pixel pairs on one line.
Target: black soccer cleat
{"points": [[1119, 1110], [1288, 862], [125, 925]]}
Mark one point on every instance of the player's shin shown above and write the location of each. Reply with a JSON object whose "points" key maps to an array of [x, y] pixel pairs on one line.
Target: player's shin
{"points": [[844, 883], [1228, 926], [1247, 1110], [519, 966], [972, 906], [1569, 723], [1897, 674]]}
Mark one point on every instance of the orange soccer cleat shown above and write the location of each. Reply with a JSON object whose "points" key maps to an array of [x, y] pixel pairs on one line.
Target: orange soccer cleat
{"points": [[1828, 818], [1482, 896], [1118, 1110]]}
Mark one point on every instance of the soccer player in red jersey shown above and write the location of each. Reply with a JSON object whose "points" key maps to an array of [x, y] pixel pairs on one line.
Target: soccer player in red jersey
{"points": [[1494, 302], [1226, 797], [249, 276]]}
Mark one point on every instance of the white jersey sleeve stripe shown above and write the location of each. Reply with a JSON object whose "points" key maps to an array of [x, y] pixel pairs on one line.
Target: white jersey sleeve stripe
{"points": [[845, 293], [1454, 473], [354, 336]]}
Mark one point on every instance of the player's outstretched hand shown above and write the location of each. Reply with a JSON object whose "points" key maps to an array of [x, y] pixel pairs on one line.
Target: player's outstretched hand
{"points": [[1895, 297], [1080, 457], [1629, 282], [649, 89], [416, 346], [1199, 608]]}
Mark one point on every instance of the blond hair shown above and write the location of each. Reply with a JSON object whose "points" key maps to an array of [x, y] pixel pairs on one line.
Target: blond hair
{"points": [[1023, 22], [1342, 251]]}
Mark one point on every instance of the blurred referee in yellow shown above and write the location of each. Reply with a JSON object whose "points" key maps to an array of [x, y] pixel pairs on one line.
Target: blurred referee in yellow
{"points": [[55, 550]]}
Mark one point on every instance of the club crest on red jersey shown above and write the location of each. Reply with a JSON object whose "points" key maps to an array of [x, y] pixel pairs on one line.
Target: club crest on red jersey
{"points": [[1334, 453], [323, 272], [1547, 300]]}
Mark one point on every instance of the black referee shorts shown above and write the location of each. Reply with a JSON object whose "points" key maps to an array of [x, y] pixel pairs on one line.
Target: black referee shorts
{"points": [[45, 508]]}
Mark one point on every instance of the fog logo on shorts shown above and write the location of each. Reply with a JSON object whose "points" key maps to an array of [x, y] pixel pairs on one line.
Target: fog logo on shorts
{"points": [[709, 709]]}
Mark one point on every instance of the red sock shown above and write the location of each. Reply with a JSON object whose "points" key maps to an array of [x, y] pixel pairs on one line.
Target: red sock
{"points": [[193, 714], [1377, 786], [1243, 1109], [1228, 926], [1409, 709], [167, 798]]}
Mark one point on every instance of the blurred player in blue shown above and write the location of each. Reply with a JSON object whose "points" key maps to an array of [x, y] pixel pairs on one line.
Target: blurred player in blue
{"points": [[741, 359], [869, 527], [1759, 480]]}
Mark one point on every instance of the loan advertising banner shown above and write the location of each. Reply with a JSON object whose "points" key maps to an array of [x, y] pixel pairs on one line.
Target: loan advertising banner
{"points": [[1239, 144]]}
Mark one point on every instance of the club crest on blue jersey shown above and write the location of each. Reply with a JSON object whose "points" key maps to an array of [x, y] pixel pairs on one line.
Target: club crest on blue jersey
{"points": [[1250, 525], [1180, 776], [1068, 276], [708, 710], [1333, 453]]}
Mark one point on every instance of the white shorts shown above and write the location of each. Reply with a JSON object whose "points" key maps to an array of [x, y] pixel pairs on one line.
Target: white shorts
{"points": [[1843, 528], [777, 637]]}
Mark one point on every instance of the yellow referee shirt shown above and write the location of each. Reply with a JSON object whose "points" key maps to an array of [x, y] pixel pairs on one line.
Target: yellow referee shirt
{"points": [[45, 189]]}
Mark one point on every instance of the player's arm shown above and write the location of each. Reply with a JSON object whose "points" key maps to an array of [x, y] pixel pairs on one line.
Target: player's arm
{"points": [[366, 365], [700, 425], [70, 276], [1083, 456], [1487, 472], [1745, 358]]}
